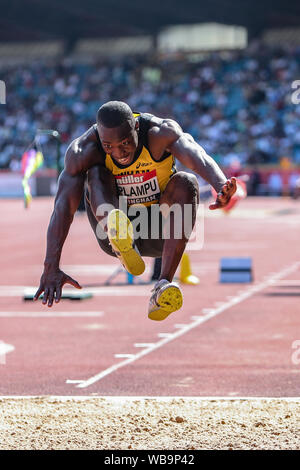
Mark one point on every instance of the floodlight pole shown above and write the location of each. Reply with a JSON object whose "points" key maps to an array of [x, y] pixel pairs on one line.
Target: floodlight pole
{"points": [[57, 136]]}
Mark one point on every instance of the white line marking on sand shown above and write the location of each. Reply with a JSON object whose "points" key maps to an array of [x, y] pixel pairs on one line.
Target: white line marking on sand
{"points": [[247, 293]]}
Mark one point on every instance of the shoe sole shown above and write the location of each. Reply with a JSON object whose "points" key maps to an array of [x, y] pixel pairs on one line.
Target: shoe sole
{"points": [[169, 300], [120, 235]]}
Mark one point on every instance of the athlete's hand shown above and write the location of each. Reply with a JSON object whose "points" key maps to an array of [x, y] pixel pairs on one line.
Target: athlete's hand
{"points": [[224, 196], [51, 284]]}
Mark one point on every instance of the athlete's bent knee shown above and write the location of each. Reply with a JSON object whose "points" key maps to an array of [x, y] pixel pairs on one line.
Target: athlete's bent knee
{"points": [[186, 183]]}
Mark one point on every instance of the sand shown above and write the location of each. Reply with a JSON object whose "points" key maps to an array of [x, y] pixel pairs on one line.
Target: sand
{"points": [[129, 423]]}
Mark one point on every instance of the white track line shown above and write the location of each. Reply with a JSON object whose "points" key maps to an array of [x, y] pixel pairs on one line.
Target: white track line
{"points": [[123, 399], [120, 355], [5, 349], [243, 295], [288, 283], [49, 314], [134, 290]]}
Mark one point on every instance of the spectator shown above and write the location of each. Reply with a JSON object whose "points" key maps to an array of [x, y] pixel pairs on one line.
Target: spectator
{"points": [[254, 183], [294, 185], [275, 184], [237, 104]]}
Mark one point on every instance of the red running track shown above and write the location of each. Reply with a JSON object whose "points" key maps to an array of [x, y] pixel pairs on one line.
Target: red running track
{"points": [[227, 340]]}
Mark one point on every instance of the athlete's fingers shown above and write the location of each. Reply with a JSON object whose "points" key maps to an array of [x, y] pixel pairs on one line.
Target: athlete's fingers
{"points": [[234, 183], [45, 297], [227, 187], [58, 293], [224, 193], [50, 297], [70, 280], [38, 293], [222, 197], [215, 205]]}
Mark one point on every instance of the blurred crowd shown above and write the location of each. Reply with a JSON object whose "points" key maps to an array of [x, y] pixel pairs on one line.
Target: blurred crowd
{"points": [[237, 105]]}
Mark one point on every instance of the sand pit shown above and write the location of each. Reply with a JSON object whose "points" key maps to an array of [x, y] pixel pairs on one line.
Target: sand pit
{"points": [[148, 423]]}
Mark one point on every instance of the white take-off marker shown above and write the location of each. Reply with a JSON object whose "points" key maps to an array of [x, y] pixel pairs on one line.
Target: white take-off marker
{"points": [[247, 293], [5, 349]]}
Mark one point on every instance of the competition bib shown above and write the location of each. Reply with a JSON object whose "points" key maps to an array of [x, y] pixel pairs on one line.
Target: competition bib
{"points": [[139, 188]]}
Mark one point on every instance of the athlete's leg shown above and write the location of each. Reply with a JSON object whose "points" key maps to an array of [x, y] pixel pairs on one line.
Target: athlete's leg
{"points": [[113, 227], [102, 192], [150, 242], [178, 205], [102, 239], [181, 192]]}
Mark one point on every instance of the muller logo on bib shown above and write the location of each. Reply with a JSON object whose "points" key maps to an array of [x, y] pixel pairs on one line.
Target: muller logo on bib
{"points": [[139, 188], [131, 179]]}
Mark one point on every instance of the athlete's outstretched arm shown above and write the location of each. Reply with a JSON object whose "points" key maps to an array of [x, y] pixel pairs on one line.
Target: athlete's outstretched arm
{"points": [[79, 157], [193, 156], [70, 190]]}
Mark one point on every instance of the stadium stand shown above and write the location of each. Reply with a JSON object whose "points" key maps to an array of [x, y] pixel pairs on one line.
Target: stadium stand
{"points": [[236, 104]]}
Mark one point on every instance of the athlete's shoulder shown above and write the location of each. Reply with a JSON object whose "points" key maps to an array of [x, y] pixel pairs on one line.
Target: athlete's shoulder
{"points": [[83, 153], [164, 131], [85, 143]]}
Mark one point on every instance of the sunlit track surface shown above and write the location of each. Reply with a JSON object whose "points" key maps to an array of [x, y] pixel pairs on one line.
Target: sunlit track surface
{"points": [[228, 339]]}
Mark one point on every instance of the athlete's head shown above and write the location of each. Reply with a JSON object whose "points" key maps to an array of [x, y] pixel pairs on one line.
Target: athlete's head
{"points": [[118, 131]]}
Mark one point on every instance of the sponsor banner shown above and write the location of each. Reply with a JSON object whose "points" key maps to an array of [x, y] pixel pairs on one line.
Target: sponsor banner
{"points": [[11, 184]]}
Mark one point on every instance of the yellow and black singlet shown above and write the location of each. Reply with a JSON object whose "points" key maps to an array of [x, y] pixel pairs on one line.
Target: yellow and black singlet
{"points": [[143, 181]]}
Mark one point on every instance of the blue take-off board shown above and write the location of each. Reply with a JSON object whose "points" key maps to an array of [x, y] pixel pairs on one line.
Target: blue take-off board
{"points": [[236, 270]]}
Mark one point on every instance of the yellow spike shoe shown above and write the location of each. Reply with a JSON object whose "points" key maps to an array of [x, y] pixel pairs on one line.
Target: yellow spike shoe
{"points": [[121, 238], [166, 298]]}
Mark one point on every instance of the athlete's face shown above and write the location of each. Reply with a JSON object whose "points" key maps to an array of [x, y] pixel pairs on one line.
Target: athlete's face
{"points": [[120, 142]]}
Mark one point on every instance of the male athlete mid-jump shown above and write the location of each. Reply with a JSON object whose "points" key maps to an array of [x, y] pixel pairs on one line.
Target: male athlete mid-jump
{"points": [[131, 155]]}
